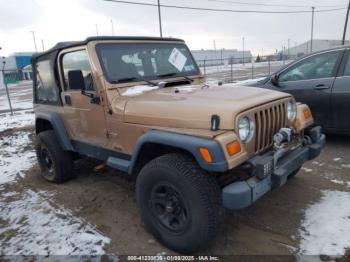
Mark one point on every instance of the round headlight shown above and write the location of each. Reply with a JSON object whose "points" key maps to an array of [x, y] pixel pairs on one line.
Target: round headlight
{"points": [[291, 111], [245, 129]]}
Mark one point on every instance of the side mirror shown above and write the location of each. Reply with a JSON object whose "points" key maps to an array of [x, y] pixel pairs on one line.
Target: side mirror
{"points": [[274, 80], [76, 80]]}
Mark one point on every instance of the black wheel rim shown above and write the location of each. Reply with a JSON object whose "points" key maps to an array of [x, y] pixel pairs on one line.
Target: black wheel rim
{"points": [[169, 207], [46, 160]]}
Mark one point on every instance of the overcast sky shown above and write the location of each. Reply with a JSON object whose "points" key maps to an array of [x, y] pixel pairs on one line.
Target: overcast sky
{"points": [[63, 20]]}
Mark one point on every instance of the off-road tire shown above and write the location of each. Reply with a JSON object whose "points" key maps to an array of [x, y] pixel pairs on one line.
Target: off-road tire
{"points": [[201, 195], [58, 167], [292, 175]]}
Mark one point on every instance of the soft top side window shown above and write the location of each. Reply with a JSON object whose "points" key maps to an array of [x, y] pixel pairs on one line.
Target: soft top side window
{"points": [[46, 89]]}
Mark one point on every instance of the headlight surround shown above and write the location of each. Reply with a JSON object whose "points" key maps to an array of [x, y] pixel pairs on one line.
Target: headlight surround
{"points": [[291, 111], [246, 129]]}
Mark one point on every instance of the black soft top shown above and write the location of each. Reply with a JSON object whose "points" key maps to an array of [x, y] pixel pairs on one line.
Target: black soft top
{"points": [[63, 45]]}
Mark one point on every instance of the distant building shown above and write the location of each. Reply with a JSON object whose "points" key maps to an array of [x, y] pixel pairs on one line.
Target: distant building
{"points": [[221, 56], [317, 45], [27, 72], [17, 67], [17, 61]]}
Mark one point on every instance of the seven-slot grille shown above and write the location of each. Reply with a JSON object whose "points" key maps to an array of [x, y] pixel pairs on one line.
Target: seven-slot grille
{"points": [[268, 122]]}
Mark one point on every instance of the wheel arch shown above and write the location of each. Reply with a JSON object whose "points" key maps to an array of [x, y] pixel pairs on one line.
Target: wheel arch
{"points": [[155, 143], [52, 121]]}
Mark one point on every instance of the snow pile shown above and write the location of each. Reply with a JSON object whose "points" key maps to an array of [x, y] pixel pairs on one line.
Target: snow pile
{"points": [[15, 156], [18, 120], [34, 227], [337, 181], [326, 227], [139, 90]]}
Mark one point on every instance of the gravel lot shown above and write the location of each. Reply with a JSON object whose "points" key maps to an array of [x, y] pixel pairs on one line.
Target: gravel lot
{"points": [[96, 212]]}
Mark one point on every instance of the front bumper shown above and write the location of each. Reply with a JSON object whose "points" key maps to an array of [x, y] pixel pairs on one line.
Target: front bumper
{"points": [[244, 193]]}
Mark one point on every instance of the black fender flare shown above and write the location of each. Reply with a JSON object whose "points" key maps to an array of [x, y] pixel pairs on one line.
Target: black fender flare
{"points": [[58, 127], [188, 143]]}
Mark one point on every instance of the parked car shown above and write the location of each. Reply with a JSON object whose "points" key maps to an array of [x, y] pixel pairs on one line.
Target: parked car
{"points": [[322, 81], [142, 106]]}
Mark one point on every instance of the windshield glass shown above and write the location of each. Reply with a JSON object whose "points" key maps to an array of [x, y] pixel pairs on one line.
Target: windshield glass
{"points": [[132, 62]]}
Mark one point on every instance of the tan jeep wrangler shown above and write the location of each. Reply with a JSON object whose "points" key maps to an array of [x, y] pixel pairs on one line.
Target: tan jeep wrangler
{"points": [[142, 106]]}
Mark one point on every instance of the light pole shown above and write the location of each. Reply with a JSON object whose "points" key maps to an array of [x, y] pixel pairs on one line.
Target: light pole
{"points": [[6, 87], [312, 28], [243, 50], [160, 20], [112, 27], [346, 24], [33, 34]]}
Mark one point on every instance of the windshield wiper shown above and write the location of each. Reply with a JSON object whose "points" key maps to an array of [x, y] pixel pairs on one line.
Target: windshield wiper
{"points": [[127, 79], [175, 74]]}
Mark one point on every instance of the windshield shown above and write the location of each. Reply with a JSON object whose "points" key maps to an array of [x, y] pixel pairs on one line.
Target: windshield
{"points": [[132, 62]]}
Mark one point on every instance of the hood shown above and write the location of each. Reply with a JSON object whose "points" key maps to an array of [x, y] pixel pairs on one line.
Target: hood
{"points": [[193, 106]]}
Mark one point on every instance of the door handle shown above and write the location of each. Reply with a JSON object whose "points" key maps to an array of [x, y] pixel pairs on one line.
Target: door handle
{"points": [[68, 100], [321, 87]]}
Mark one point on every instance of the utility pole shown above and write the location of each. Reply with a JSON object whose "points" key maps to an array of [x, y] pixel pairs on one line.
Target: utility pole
{"points": [[243, 50], [346, 24], [222, 59], [312, 28], [288, 48], [216, 54], [112, 27], [33, 34], [42, 44], [160, 20], [96, 29]]}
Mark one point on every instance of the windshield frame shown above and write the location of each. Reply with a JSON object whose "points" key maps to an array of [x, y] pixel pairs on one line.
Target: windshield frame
{"points": [[196, 71]]}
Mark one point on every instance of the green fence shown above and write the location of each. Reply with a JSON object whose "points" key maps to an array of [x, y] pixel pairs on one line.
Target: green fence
{"points": [[13, 77]]}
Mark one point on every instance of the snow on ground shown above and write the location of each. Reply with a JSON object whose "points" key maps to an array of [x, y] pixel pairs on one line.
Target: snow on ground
{"points": [[30, 224], [20, 98], [15, 158], [17, 120], [246, 66], [326, 226], [17, 103], [307, 170], [33, 226]]}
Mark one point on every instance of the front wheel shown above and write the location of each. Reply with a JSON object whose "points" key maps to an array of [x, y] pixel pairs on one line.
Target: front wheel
{"points": [[179, 203], [56, 165]]}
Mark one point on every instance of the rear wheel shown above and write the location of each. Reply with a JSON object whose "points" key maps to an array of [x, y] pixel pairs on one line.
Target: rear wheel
{"points": [[56, 165], [179, 203]]}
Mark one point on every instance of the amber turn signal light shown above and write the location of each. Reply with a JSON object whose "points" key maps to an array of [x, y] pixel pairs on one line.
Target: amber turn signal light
{"points": [[233, 148], [206, 154], [307, 114]]}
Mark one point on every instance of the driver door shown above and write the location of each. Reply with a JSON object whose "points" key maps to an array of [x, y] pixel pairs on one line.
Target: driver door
{"points": [[84, 119], [311, 80]]}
